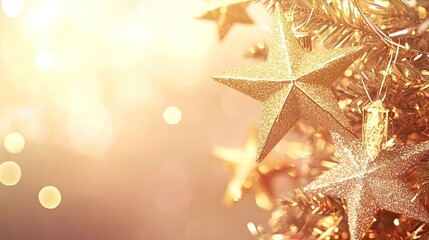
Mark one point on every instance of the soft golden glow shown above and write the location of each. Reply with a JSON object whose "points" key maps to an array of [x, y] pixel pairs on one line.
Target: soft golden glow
{"points": [[45, 15], [396, 222], [50, 197], [383, 3], [14, 142], [172, 115], [293, 228], [12, 8], [89, 127], [10, 173], [44, 60], [235, 192], [348, 73], [252, 228], [278, 237], [263, 201]]}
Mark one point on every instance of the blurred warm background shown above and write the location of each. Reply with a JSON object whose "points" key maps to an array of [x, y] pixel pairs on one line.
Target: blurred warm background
{"points": [[108, 117]]}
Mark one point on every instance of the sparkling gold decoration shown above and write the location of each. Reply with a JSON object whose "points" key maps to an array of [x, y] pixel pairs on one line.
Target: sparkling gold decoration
{"points": [[226, 13], [375, 124], [247, 172], [368, 185], [293, 85]]}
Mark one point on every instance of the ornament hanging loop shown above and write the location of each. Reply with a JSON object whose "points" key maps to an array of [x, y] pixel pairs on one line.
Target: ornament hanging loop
{"points": [[375, 118]]}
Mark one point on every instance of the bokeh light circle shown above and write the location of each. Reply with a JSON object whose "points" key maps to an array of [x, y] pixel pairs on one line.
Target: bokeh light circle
{"points": [[14, 142], [44, 60], [10, 173], [50, 197], [12, 8], [172, 115]]}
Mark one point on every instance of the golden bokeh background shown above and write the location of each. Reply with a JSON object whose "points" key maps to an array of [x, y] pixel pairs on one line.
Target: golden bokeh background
{"points": [[108, 116]]}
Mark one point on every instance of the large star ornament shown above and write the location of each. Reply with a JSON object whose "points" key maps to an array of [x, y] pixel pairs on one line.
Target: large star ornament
{"points": [[369, 186], [226, 13], [293, 85]]}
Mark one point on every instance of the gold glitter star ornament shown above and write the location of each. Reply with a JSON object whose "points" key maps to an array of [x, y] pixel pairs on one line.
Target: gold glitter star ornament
{"points": [[226, 13], [368, 185], [247, 173], [293, 85]]}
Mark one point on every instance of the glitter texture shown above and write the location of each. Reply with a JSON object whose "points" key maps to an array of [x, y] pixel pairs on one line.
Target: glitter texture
{"points": [[293, 85], [369, 186], [226, 14]]}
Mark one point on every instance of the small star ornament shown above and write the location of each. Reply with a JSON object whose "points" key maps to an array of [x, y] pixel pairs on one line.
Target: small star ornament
{"points": [[369, 186], [226, 13], [293, 84], [248, 173]]}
